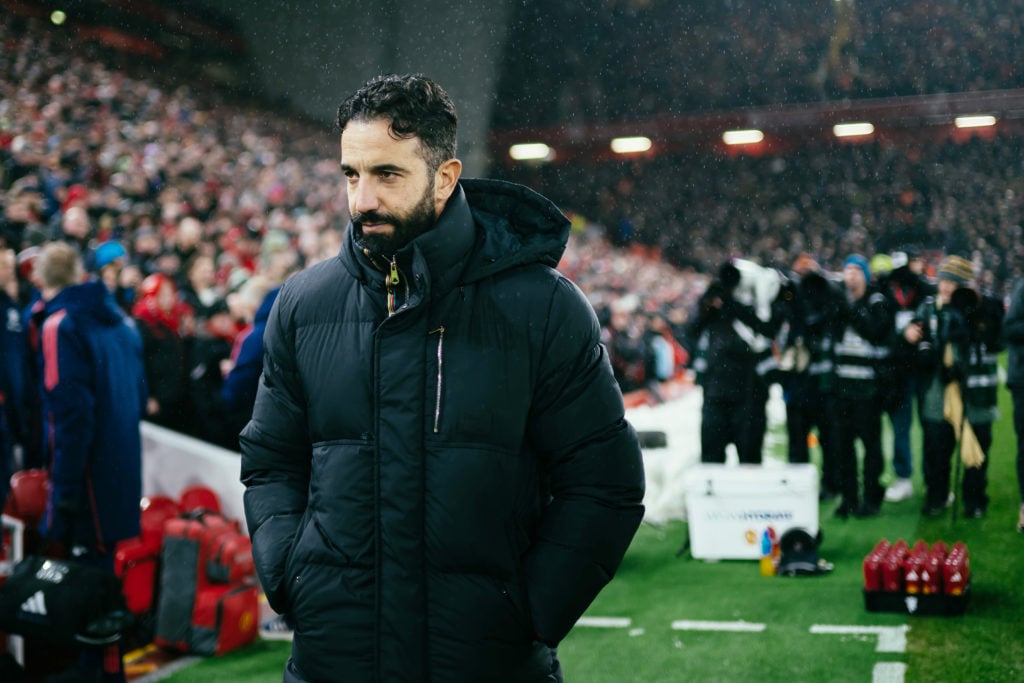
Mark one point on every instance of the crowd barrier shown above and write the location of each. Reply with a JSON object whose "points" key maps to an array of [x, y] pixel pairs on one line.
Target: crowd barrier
{"points": [[172, 462]]}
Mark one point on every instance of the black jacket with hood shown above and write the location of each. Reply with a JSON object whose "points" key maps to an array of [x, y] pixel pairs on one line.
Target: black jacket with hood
{"points": [[438, 495]]}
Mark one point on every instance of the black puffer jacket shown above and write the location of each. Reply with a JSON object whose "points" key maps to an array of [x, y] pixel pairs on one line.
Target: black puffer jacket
{"points": [[435, 495]]}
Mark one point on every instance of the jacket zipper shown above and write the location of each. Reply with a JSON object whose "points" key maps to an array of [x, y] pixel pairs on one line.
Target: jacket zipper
{"points": [[391, 281], [440, 376]]}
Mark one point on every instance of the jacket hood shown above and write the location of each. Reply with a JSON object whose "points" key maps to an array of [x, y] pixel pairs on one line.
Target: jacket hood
{"points": [[486, 227], [90, 300], [519, 226]]}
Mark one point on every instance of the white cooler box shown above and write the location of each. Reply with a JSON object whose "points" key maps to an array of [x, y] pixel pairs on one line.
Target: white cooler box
{"points": [[728, 507]]}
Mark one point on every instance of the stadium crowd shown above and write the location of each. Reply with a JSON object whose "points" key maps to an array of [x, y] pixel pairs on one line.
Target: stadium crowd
{"points": [[828, 199], [627, 59], [195, 207]]}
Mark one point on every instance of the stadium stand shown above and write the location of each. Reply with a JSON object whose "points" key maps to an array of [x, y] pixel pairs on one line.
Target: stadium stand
{"points": [[144, 152]]}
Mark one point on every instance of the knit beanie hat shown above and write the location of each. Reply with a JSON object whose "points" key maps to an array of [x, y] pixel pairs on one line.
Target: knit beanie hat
{"points": [[881, 263], [956, 269], [860, 262]]}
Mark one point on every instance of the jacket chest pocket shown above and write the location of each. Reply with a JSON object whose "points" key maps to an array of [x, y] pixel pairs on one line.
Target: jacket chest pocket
{"points": [[475, 392]]}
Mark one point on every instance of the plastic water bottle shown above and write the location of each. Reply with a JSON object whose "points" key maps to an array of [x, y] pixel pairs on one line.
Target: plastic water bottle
{"points": [[767, 555]]}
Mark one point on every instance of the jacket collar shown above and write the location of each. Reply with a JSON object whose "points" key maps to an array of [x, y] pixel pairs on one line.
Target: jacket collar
{"points": [[438, 255]]}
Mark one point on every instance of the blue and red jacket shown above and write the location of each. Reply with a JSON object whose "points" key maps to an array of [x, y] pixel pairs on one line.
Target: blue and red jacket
{"points": [[93, 399]]}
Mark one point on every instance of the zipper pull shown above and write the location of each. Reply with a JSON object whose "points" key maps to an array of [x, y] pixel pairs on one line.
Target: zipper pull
{"points": [[440, 376], [393, 277]]}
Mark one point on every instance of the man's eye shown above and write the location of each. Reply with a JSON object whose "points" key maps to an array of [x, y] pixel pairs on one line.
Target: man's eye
{"points": [[387, 175]]}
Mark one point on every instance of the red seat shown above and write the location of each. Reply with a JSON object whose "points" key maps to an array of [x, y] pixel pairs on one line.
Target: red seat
{"points": [[27, 498], [199, 498]]}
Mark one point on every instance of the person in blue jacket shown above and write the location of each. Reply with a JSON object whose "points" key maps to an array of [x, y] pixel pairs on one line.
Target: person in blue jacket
{"points": [[93, 397], [238, 393], [12, 370]]}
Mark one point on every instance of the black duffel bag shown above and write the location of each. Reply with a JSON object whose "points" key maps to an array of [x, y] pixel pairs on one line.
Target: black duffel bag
{"points": [[63, 602]]}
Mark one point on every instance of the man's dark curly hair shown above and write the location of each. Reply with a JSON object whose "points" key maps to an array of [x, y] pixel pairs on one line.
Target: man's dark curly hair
{"points": [[415, 106]]}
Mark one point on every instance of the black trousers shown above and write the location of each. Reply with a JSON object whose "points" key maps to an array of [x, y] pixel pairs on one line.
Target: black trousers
{"points": [[939, 442], [859, 418], [1018, 428], [800, 420], [738, 420]]}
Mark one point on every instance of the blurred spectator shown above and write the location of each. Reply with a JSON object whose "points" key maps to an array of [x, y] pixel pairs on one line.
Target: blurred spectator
{"points": [[185, 243], [251, 304], [13, 360], [209, 352], [75, 228], [625, 339], [165, 324], [108, 262], [200, 289]]}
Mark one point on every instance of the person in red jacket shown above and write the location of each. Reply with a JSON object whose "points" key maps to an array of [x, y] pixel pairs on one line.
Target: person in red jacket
{"points": [[166, 323]]}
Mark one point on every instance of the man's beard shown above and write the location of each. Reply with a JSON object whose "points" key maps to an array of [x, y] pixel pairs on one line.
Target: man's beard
{"points": [[406, 228]]}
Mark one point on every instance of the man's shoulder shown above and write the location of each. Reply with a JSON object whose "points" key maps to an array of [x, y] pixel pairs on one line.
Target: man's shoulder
{"points": [[321, 279], [534, 282]]}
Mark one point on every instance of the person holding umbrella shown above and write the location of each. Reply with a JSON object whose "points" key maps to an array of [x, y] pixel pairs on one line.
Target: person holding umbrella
{"points": [[956, 336]]}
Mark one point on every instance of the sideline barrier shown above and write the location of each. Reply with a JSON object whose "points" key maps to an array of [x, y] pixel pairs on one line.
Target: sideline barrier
{"points": [[172, 462]]}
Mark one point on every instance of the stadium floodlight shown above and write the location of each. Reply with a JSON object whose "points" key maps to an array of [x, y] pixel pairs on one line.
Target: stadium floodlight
{"points": [[742, 137], [977, 121], [631, 145], [849, 130], [57, 17], [531, 151]]}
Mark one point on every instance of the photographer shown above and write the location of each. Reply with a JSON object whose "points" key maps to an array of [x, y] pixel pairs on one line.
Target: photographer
{"points": [[956, 338], [808, 373], [906, 288], [1013, 333], [866, 323], [727, 368]]}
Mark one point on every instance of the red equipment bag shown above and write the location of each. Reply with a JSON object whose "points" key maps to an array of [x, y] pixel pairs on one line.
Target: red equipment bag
{"points": [[230, 559], [156, 510], [224, 618], [136, 565], [202, 552], [137, 560]]}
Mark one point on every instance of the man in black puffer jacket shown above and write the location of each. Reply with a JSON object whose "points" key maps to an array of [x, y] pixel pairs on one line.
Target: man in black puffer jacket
{"points": [[439, 476]]}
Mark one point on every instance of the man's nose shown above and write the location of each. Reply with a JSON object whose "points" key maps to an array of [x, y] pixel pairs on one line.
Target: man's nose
{"points": [[363, 196]]}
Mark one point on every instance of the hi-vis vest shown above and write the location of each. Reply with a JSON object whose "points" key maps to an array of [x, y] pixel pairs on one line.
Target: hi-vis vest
{"points": [[980, 395], [857, 361]]}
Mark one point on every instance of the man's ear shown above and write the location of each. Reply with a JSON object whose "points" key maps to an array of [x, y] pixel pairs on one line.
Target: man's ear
{"points": [[445, 179]]}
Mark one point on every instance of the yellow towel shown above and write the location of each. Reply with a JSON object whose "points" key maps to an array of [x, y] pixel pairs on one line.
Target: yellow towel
{"points": [[953, 411]]}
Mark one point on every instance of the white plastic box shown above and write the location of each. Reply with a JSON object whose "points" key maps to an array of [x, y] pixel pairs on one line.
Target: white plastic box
{"points": [[729, 507]]}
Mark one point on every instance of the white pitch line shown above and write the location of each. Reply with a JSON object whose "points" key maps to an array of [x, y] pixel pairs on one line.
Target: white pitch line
{"points": [[745, 626], [890, 638], [853, 630], [889, 672], [605, 622]]}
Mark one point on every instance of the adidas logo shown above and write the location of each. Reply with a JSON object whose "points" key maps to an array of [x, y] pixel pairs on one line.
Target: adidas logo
{"points": [[35, 604]]}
